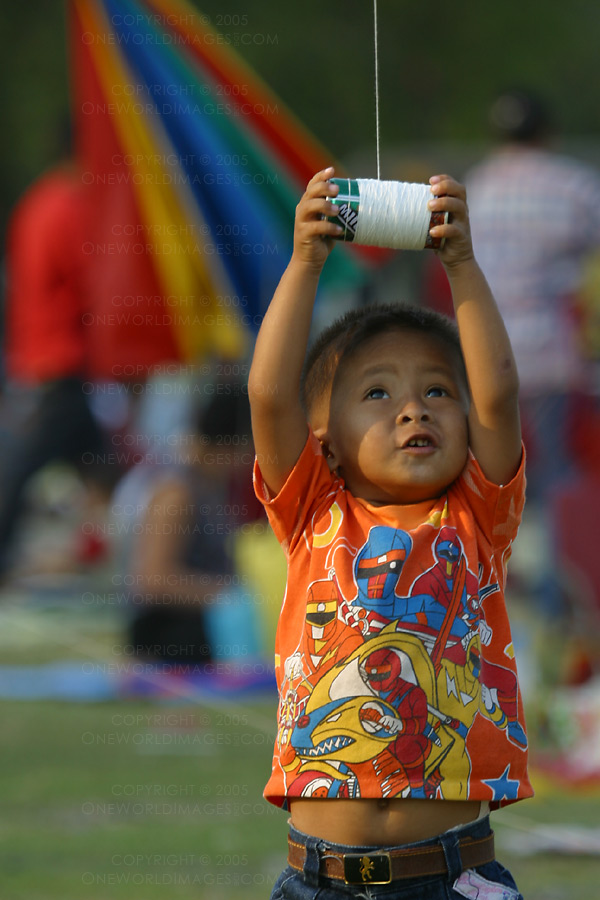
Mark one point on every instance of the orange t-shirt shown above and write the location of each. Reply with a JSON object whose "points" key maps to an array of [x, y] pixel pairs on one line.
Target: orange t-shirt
{"points": [[394, 658]]}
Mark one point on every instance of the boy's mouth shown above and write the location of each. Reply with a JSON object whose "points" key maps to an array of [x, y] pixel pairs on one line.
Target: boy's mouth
{"points": [[419, 442]]}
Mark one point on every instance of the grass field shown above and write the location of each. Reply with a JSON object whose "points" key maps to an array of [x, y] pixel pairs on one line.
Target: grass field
{"points": [[145, 800]]}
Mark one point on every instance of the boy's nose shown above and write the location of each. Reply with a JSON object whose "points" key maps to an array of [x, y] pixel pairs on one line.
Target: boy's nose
{"points": [[412, 411]]}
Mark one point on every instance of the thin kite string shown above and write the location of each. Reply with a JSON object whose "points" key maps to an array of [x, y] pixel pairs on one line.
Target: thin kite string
{"points": [[376, 88]]}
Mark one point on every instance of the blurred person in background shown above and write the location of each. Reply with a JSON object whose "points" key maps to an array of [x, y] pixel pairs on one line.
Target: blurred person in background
{"points": [[177, 518], [45, 413], [535, 220]]}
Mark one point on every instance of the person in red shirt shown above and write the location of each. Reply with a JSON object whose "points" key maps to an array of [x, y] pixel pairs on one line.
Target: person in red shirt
{"points": [[46, 413]]}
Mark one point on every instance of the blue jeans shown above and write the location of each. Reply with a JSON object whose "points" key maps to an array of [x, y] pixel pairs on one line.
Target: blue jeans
{"points": [[488, 882]]}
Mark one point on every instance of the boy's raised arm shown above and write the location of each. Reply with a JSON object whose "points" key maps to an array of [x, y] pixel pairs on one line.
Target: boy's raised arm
{"points": [[494, 424], [278, 421]]}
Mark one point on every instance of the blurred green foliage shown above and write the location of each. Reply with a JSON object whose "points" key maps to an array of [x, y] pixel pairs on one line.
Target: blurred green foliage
{"points": [[440, 63]]}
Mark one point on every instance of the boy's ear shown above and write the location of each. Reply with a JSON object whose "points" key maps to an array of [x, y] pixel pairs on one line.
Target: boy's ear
{"points": [[323, 438]]}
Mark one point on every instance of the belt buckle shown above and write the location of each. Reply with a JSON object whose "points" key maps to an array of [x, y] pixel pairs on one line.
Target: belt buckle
{"points": [[367, 868]]}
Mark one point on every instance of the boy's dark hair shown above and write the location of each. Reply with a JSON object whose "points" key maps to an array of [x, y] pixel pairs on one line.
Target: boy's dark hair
{"points": [[345, 335]]}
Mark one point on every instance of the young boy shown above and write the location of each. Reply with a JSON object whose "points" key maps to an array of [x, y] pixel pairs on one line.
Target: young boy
{"points": [[391, 468]]}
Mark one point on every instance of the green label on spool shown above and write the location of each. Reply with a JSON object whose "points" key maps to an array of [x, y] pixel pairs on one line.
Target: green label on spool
{"points": [[348, 206]]}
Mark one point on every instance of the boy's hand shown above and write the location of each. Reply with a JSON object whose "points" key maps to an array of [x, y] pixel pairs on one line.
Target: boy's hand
{"points": [[450, 196], [313, 233]]}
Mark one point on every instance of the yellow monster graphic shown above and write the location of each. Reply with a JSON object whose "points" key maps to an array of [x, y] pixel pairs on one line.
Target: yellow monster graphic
{"points": [[376, 715]]}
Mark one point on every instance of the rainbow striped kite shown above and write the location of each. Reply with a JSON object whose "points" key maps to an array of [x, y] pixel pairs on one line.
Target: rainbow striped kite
{"points": [[195, 168]]}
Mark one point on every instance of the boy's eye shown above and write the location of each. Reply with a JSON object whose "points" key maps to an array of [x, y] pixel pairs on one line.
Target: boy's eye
{"points": [[377, 394], [436, 392]]}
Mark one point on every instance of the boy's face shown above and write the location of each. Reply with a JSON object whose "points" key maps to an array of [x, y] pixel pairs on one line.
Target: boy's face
{"points": [[397, 421]]}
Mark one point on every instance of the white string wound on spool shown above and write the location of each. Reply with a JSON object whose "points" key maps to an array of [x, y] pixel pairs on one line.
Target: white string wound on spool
{"points": [[391, 214]]}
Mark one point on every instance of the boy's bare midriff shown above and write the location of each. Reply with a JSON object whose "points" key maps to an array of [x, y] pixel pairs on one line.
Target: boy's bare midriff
{"points": [[380, 822]]}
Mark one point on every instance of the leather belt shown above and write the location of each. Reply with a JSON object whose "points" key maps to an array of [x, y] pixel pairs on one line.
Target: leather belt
{"points": [[384, 866]]}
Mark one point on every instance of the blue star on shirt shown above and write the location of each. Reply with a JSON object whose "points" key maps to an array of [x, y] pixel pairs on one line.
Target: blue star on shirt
{"points": [[504, 788]]}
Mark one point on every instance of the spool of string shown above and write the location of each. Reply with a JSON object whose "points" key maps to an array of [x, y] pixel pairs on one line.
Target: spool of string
{"points": [[391, 214]]}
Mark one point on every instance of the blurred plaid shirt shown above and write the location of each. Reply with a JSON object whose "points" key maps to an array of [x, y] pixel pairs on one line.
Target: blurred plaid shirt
{"points": [[535, 217]]}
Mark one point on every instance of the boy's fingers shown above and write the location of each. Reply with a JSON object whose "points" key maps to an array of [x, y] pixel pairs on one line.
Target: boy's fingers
{"points": [[318, 206], [453, 233], [321, 189], [319, 224], [445, 184], [322, 228], [449, 230], [320, 186], [447, 203], [323, 175]]}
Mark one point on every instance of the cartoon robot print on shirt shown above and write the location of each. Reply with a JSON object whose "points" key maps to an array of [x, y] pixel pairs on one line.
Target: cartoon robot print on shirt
{"points": [[448, 599], [325, 641], [387, 686], [367, 712], [377, 569], [455, 608]]}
